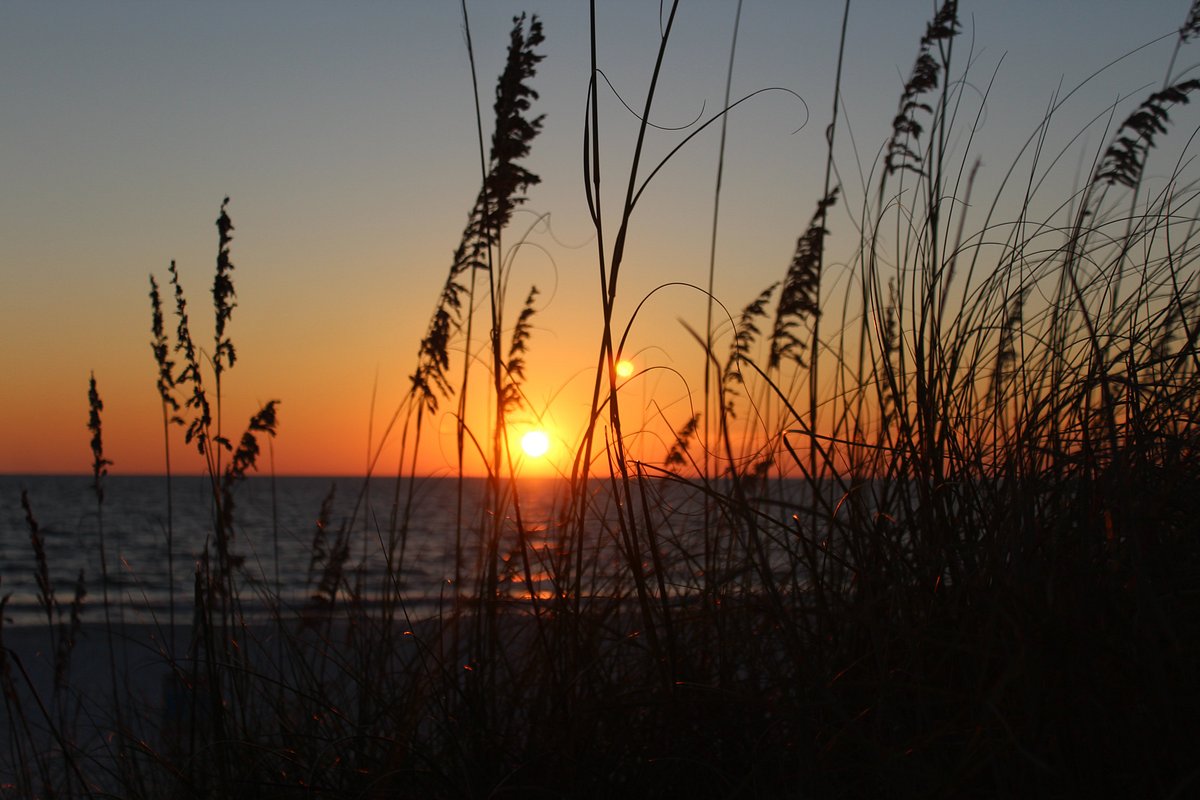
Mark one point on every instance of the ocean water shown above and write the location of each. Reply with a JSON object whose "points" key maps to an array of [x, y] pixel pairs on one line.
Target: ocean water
{"points": [[277, 529], [275, 524]]}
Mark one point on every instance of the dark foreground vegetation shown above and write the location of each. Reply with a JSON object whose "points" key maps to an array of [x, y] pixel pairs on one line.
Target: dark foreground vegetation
{"points": [[989, 587]]}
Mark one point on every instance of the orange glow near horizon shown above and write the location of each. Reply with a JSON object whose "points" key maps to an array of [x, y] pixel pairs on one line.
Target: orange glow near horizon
{"points": [[345, 225]]}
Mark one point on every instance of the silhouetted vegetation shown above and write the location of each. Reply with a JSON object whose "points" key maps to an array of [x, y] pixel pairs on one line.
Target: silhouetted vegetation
{"points": [[939, 538]]}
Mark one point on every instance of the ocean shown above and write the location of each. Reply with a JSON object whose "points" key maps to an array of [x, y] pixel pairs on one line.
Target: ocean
{"points": [[275, 525], [279, 526]]}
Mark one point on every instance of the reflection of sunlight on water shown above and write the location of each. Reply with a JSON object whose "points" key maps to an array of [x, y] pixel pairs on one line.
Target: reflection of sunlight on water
{"points": [[536, 577], [535, 545], [278, 545]]}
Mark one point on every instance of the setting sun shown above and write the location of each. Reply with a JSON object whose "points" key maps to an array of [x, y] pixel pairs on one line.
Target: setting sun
{"points": [[624, 368], [535, 444]]}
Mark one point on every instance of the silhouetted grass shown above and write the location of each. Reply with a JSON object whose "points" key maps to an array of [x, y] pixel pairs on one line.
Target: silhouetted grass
{"points": [[939, 539]]}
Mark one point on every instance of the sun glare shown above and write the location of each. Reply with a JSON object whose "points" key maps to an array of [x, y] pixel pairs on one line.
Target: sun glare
{"points": [[535, 444], [624, 368]]}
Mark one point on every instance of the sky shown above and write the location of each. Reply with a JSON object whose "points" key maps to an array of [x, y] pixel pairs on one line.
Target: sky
{"points": [[344, 134]]}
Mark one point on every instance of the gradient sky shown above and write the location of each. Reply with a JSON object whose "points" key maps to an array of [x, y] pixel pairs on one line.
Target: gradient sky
{"points": [[345, 135]]}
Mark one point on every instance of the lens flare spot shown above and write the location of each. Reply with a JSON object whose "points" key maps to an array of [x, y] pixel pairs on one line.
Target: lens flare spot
{"points": [[535, 444]]}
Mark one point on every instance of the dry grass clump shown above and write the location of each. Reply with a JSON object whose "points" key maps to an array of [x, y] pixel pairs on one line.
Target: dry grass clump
{"points": [[939, 538]]}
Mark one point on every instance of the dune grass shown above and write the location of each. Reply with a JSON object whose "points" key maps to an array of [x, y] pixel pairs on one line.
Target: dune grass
{"points": [[933, 535]]}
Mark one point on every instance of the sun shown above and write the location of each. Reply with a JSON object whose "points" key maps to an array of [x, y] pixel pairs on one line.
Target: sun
{"points": [[535, 443], [624, 368]]}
